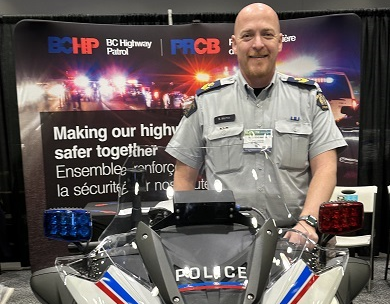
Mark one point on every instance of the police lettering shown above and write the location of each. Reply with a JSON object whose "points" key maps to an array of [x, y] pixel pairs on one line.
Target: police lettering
{"points": [[199, 46], [195, 273]]}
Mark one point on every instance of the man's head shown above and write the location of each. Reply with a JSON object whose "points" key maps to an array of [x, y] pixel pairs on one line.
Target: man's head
{"points": [[257, 41]]}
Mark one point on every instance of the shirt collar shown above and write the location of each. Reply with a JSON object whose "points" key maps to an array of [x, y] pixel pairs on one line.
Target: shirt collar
{"points": [[247, 88]]}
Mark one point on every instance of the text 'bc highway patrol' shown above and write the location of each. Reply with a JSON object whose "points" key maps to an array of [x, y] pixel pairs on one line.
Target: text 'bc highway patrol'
{"points": [[120, 47]]}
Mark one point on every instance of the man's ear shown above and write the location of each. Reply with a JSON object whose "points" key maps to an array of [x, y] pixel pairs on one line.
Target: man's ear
{"points": [[280, 42], [234, 44]]}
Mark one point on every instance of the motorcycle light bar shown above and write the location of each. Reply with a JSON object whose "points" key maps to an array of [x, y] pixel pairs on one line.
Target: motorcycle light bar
{"points": [[340, 217], [203, 207], [68, 224]]}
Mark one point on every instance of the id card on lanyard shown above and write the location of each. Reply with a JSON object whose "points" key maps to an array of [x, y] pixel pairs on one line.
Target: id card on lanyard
{"points": [[257, 140]]}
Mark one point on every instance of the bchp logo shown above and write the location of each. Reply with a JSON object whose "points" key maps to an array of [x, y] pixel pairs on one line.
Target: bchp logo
{"points": [[198, 46], [72, 45]]}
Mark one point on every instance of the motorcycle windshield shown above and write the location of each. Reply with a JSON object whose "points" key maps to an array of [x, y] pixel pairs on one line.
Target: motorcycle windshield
{"points": [[167, 247]]}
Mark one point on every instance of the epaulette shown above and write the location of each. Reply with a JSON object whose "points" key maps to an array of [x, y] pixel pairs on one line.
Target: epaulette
{"points": [[214, 85], [322, 102], [189, 106], [293, 80], [320, 98]]}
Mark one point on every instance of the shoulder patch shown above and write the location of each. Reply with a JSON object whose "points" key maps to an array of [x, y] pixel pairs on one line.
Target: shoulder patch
{"points": [[189, 106], [300, 80], [322, 102], [214, 85]]}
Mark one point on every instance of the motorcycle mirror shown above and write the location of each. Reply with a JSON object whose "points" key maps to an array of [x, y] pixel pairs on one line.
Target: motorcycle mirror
{"points": [[340, 217], [69, 225]]}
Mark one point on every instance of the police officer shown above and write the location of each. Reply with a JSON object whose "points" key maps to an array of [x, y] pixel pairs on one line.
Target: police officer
{"points": [[268, 137]]}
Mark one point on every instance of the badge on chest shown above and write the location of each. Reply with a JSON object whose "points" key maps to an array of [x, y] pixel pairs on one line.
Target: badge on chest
{"points": [[257, 140]]}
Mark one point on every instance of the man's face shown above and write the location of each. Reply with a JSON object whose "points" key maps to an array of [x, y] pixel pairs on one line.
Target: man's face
{"points": [[256, 42]]}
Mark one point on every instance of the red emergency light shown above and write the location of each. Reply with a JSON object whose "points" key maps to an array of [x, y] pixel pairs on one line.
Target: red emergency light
{"points": [[340, 217]]}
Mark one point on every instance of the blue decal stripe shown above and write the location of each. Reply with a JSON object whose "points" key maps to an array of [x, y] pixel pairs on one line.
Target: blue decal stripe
{"points": [[210, 284], [118, 289], [302, 279]]}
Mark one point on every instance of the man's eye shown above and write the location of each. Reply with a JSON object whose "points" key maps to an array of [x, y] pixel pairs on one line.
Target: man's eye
{"points": [[246, 37], [268, 36]]}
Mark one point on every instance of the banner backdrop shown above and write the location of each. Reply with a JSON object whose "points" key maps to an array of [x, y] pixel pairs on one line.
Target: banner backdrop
{"points": [[90, 94]]}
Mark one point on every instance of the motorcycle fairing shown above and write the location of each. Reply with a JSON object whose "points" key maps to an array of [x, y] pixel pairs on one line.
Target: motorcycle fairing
{"points": [[115, 286], [300, 285], [161, 269], [325, 287]]}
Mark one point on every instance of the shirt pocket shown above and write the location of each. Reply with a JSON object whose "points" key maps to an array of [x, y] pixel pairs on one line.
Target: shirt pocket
{"points": [[291, 144], [224, 151]]}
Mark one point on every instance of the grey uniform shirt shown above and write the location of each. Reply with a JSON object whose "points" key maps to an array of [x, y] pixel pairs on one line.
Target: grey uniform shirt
{"points": [[276, 182]]}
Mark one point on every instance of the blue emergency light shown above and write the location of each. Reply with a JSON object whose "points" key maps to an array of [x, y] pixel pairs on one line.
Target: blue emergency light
{"points": [[68, 225]]}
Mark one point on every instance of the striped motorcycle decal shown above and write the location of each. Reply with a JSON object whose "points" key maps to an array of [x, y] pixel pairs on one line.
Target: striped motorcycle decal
{"points": [[114, 290], [305, 280], [211, 285]]}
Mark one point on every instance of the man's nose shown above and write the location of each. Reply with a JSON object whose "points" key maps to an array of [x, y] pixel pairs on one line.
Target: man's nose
{"points": [[258, 42]]}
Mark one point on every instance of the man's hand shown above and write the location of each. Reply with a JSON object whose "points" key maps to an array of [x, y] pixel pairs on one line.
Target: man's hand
{"points": [[306, 229]]}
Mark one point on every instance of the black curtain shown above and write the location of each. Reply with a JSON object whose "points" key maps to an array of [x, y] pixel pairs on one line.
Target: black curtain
{"points": [[374, 142], [374, 121]]}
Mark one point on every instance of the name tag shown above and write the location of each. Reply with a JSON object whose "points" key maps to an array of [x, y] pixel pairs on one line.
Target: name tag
{"points": [[257, 140], [224, 118]]}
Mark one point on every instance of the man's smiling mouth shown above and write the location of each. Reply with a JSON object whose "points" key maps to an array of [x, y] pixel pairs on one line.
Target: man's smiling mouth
{"points": [[258, 56]]}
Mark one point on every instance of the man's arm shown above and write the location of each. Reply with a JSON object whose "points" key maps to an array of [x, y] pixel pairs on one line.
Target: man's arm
{"points": [[324, 178], [184, 177]]}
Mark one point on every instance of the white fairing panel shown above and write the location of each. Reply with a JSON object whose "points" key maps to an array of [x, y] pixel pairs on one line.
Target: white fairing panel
{"points": [[300, 285], [114, 287]]}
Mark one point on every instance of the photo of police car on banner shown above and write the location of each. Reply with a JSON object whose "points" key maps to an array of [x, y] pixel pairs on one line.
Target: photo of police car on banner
{"points": [[89, 95]]}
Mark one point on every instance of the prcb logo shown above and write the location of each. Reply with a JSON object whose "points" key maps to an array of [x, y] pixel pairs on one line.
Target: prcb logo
{"points": [[72, 45], [198, 46]]}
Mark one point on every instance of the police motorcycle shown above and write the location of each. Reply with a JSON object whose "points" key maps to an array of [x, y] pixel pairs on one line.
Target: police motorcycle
{"points": [[198, 247]]}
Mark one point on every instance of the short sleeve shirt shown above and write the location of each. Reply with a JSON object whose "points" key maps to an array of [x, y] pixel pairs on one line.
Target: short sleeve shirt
{"points": [[211, 137]]}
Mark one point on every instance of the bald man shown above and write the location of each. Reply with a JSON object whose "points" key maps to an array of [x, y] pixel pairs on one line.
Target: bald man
{"points": [[268, 137]]}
